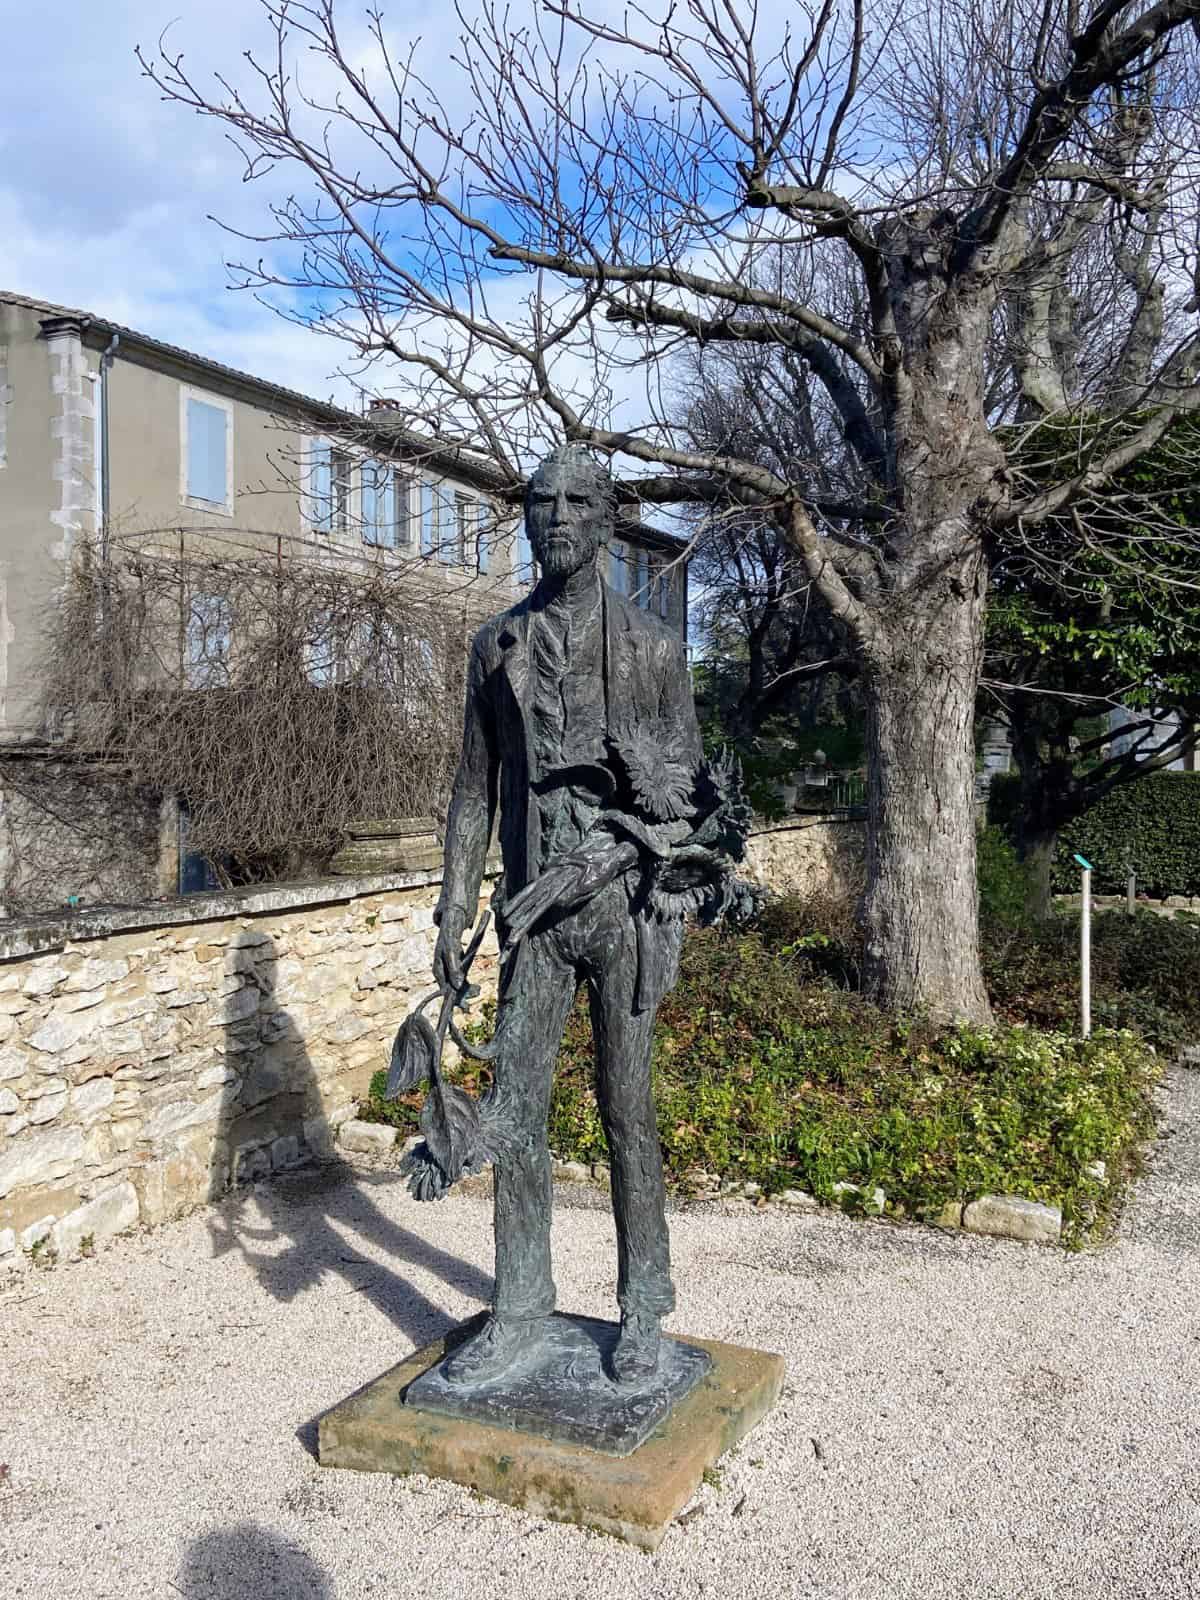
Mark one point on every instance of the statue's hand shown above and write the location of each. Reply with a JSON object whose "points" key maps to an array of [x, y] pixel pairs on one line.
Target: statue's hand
{"points": [[568, 883], [448, 954]]}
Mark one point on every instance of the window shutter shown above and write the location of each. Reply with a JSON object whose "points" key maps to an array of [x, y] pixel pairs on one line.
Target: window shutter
{"points": [[428, 519], [320, 489]]}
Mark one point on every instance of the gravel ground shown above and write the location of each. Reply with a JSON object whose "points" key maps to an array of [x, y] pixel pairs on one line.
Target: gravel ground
{"points": [[963, 1417]]}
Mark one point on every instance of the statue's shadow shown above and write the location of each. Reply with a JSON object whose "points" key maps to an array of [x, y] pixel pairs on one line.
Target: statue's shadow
{"points": [[305, 1226]]}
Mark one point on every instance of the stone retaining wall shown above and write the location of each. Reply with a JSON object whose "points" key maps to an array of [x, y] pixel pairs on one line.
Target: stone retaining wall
{"points": [[811, 855], [150, 1056], [1189, 905]]}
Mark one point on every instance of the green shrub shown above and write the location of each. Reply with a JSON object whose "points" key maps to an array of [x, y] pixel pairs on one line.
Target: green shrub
{"points": [[1145, 974], [763, 1074], [1152, 824], [821, 931], [1003, 880]]}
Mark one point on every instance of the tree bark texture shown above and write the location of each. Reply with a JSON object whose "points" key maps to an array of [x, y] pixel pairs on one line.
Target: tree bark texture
{"points": [[923, 644], [920, 909], [1051, 793], [1037, 852]]}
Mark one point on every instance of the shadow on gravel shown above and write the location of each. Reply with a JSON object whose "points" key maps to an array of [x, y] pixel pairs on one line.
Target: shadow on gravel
{"points": [[247, 1560], [301, 1226]]}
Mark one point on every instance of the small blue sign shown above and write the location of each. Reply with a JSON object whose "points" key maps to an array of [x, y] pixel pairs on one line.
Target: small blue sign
{"points": [[1086, 865]]}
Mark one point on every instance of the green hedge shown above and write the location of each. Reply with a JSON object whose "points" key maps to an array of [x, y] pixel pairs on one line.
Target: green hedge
{"points": [[1152, 824]]}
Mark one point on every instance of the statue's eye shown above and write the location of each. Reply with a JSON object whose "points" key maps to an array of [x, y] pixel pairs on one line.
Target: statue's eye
{"points": [[580, 499]]}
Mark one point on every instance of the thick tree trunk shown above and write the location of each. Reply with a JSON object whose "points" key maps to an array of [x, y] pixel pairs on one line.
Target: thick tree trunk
{"points": [[1049, 791], [920, 911], [1037, 851]]}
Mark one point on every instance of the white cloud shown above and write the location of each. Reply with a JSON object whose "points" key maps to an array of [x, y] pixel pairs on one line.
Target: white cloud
{"points": [[106, 191]]}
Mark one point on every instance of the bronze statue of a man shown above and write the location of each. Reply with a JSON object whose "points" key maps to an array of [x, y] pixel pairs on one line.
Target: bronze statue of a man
{"points": [[580, 726]]}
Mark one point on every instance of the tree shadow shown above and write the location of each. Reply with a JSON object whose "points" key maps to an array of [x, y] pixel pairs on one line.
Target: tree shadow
{"points": [[303, 1225], [235, 1563]]}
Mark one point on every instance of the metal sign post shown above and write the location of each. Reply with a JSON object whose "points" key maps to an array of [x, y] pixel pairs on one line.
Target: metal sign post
{"points": [[1085, 949]]}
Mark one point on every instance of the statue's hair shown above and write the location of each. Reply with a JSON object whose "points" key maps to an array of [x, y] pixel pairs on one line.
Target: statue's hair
{"points": [[580, 459]]}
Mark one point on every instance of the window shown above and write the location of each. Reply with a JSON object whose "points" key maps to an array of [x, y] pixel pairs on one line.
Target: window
{"points": [[637, 576], [378, 504], [320, 650], [402, 490], [206, 642], [330, 481], [206, 456], [654, 595], [385, 506], [447, 530], [618, 567], [483, 535], [341, 469]]}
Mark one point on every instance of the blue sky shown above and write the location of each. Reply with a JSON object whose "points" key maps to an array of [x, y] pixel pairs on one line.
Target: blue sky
{"points": [[105, 190]]}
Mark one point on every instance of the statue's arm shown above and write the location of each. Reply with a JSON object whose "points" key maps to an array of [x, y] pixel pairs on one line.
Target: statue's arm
{"points": [[472, 801]]}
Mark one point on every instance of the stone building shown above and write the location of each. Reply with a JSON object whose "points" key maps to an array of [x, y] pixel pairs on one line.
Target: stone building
{"points": [[109, 436]]}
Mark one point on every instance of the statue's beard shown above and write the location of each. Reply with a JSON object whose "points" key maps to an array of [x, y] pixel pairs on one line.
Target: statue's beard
{"points": [[561, 558]]}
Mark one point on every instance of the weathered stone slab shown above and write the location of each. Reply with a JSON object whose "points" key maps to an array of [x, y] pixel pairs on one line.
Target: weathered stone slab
{"points": [[1008, 1216], [634, 1497], [367, 1138], [108, 1214]]}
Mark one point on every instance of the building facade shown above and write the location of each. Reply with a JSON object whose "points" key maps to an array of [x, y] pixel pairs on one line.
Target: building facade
{"points": [[110, 440]]}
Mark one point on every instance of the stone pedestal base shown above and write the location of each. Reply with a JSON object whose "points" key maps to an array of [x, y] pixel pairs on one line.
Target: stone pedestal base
{"points": [[633, 1496]]}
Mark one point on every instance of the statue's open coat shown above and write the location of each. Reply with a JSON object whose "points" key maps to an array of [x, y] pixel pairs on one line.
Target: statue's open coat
{"points": [[647, 688]]}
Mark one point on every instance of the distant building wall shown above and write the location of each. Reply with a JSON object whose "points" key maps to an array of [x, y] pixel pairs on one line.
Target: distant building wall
{"points": [[47, 495], [76, 828]]}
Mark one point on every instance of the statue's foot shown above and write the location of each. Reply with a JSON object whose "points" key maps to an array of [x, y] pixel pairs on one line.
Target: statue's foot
{"points": [[493, 1350], [635, 1357]]}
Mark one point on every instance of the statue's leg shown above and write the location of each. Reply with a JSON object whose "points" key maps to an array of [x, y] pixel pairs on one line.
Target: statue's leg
{"points": [[533, 1012], [623, 1039]]}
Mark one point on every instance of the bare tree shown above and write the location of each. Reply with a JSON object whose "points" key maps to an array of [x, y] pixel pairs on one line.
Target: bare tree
{"points": [[769, 640], [600, 194], [280, 699]]}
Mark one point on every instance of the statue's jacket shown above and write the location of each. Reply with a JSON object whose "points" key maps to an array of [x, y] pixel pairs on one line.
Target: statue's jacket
{"points": [[646, 688]]}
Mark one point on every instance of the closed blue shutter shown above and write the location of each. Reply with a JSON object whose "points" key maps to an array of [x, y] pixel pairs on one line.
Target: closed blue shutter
{"points": [[320, 484], [428, 519], [206, 446]]}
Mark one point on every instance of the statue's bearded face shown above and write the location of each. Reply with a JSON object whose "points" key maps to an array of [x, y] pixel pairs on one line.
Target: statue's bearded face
{"points": [[568, 515]]}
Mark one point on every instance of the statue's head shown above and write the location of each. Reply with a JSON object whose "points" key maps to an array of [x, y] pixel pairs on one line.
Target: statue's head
{"points": [[569, 510]]}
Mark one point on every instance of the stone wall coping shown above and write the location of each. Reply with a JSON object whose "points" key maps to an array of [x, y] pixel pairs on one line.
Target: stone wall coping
{"points": [[806, 819], [49, 931]]}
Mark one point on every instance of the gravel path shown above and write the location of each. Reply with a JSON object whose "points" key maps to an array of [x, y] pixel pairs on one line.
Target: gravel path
{"points": [[962, 1418]]}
